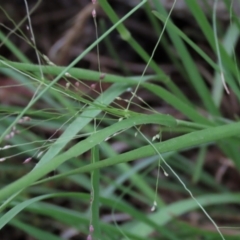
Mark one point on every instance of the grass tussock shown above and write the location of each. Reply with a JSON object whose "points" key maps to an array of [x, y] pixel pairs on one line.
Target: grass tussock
{"points": [[121, 122]]}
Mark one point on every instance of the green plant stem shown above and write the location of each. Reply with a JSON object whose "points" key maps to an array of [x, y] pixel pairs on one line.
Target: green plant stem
{"points": [[95, 179], [78, 73]]}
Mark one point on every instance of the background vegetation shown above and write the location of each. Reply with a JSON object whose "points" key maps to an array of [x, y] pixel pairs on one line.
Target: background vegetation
{"points": [[119, 125]]}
